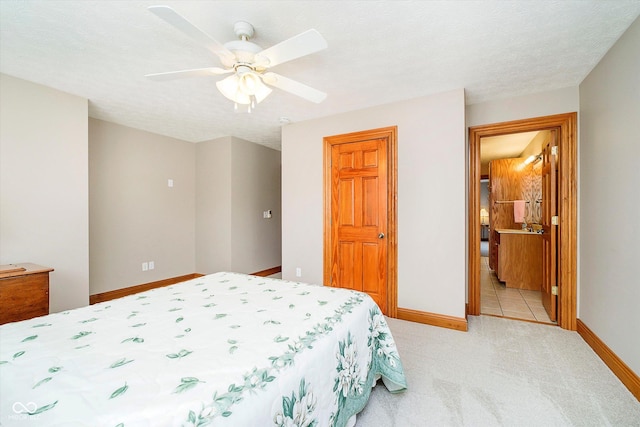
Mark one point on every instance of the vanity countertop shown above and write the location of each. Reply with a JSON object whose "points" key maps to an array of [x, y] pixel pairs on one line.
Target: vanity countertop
{"points": [[514, 231]]}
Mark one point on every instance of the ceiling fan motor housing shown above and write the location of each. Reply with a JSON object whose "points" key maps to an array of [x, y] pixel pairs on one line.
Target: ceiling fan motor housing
{"points": [[244, 51]]}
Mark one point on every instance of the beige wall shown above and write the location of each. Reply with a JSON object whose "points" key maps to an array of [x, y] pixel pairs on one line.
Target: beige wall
{"points": [[431, 203], [213, 205], [44, 186], [236, 181], [610, 200], [135, 216], [256, 242], [210, 220], [523, 107]]}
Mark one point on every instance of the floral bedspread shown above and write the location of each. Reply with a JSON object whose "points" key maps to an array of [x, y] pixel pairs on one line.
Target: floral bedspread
{"points": [[225, 350]]}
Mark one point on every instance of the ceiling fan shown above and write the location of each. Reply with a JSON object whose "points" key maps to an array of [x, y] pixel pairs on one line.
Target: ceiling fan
{"points": [[247, 62]]}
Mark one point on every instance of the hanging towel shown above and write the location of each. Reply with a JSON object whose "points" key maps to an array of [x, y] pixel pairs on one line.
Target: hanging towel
{"points": [[518, 210]]}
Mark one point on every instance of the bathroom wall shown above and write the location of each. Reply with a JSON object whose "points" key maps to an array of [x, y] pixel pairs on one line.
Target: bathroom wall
{"points": [[484, 195], [509, 180], [531, 185]]}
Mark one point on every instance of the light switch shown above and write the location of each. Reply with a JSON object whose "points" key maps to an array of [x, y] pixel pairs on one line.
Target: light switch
{"points": [[169, 182]]}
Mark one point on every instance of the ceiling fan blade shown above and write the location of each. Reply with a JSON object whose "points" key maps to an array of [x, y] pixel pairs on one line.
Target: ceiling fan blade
{"points": [[174, 18], [294, 87], [303, 44], [196, 72]]}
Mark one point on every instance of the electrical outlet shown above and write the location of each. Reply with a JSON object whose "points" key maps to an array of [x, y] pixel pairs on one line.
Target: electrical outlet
{"points": [[298, 272], [170, 183], [145, 266], [152, 265]]}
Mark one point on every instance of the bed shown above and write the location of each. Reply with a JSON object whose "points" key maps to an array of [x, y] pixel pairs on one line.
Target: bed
{"points": [[225, 349]]}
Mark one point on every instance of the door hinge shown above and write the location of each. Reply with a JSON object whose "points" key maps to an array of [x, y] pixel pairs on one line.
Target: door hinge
{"points": [[554, 220], [554, 290], [554, 150]]}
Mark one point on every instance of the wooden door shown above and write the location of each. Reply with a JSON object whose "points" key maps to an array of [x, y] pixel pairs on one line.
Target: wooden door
{"points": [[358, 244], [549, 225]]}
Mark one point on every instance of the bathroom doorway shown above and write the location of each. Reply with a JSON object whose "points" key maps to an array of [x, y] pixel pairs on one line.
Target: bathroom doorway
{"points": [[564, 127], [511, 273]]}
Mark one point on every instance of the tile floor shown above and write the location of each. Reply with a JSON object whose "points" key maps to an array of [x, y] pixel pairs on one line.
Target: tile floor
{"points": [[498, 300]]}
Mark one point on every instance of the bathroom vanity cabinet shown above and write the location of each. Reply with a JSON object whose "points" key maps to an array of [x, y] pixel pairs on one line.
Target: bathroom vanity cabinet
{"points": [[519, 258]]}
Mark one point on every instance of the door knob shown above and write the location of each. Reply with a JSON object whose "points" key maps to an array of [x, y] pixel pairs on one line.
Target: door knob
{"points": [[381, 236]]}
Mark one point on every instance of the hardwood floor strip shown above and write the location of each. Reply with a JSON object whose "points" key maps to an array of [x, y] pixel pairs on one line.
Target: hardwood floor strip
{"points": [[119, 293], [449, 322], [629, 378], [268, 271]]}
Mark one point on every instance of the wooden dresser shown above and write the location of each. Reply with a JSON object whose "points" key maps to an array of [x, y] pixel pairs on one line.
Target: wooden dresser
{"points": [[24, 292]]}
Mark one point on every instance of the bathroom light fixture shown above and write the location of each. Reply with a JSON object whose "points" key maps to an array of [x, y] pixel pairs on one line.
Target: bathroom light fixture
{"points": [[533, 158]]}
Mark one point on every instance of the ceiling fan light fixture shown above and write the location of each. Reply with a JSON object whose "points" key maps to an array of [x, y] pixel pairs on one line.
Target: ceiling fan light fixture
{"points": [[248, 82], [245, 89], [229, 88], [262, 91]]}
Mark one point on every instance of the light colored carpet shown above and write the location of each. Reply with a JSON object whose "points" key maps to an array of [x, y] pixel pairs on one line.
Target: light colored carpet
{"points": [[500, 373]]}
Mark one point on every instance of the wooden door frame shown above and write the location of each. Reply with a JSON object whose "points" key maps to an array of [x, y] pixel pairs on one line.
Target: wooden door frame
{"points": [[390, 133], [566, 125]]}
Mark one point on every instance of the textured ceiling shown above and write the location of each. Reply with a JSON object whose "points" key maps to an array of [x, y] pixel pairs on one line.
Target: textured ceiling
{"points": [[379, 52]]}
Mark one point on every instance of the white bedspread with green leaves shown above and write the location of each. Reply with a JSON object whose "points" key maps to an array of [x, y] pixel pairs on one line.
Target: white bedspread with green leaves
{"points": [[224, 350]]}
